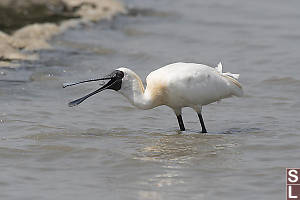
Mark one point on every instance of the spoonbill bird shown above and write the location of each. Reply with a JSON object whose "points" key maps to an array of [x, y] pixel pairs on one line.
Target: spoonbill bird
{"points": [[175, 85]]}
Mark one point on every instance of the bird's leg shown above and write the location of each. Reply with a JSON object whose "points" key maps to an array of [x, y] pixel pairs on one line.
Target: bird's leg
{"points": [[180, 122], [202, 123], [178, 112], [198, 109]]}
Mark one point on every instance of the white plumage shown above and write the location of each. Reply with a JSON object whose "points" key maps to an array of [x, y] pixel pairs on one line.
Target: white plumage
{"points": [[175, 85]]}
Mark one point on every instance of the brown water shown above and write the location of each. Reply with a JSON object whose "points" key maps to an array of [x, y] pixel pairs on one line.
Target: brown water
{"points": [[106, 149]]}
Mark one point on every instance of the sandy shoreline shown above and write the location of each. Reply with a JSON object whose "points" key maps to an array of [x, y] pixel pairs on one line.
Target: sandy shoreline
{"points": [[21, 44]]}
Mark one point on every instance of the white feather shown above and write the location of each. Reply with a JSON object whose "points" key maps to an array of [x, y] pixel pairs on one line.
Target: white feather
{"points": [[219, 68], [235, 76]]}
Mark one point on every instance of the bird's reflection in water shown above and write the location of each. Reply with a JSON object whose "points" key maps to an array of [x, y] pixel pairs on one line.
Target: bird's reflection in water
{"points": [[181, 148], [185, 156]]}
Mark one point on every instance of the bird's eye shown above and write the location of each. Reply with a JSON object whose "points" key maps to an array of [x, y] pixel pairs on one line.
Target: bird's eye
{"points": [[119, 74]]}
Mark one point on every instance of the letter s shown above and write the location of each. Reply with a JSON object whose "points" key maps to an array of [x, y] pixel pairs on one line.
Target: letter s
{"points": [[293, 177]]}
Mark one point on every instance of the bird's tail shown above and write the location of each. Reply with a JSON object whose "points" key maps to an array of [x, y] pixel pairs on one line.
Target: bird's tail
{"points": [[238, 91], [220, 70]]}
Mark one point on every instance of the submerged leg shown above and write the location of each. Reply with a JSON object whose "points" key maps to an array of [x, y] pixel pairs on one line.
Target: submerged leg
{"points": [[180, 122], [202, 123]]}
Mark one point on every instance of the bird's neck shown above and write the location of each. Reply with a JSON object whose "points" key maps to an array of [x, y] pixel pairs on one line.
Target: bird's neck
{"points": [[136, 94]]}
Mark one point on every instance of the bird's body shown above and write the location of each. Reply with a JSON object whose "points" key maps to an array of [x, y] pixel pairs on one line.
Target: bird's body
{"points": [[188, 85], [178, 85]]}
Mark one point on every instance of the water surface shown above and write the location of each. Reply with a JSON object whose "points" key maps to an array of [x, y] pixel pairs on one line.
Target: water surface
{"points": [[107, 149]]}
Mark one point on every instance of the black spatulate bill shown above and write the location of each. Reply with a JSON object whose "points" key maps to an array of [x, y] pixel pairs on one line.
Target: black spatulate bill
{"points": [[114, 83]]}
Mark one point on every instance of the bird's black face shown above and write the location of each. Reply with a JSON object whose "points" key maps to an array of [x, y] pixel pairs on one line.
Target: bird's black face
{"points": [[114, 83]]}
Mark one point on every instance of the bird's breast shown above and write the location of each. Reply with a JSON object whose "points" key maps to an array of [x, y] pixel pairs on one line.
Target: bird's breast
{"points": [[157, 92]]}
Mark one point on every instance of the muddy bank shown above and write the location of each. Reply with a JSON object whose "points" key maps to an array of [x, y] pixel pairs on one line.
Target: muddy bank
{"points": [[16, 14], [26, 26]]}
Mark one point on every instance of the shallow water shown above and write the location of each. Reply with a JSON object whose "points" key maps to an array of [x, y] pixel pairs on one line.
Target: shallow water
{"points": [[107, 149]]}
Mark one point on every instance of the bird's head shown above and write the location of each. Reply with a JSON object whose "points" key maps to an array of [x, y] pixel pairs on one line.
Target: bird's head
{"points": [[121, 80]]}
